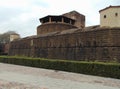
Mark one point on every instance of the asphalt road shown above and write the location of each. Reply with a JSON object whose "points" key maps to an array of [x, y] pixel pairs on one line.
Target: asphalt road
{"points": [[21, 77]]}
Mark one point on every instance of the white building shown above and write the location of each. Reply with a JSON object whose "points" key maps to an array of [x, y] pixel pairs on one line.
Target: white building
{"points": [[110, 16], [14, 36]]}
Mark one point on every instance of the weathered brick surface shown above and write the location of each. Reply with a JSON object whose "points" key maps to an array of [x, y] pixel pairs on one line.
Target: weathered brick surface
{"points": [[52, 27], [101, 44]]}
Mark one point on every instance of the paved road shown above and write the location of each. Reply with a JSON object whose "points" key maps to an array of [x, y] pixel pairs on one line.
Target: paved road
{"points": [[20, 77]]}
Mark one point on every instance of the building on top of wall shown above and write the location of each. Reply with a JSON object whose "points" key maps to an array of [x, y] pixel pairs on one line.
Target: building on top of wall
{"points": [[52, 23], [110, 16], [14, 36], [79, 18]]}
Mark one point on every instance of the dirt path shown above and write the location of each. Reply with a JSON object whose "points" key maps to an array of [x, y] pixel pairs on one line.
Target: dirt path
{"points": [[20, 77]]}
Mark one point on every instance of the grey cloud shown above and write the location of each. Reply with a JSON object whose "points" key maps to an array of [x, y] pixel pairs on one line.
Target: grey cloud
{"points": [[8, 13]]}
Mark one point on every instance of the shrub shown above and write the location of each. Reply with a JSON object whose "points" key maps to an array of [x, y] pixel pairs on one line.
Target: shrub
{"points": [[90, 68]]}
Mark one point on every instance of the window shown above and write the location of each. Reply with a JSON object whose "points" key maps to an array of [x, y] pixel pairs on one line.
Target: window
{"points": [[105, 16], [116, 14]]}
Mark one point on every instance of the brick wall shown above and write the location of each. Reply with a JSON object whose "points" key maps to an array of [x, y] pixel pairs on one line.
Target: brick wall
{"points": [[101, 44], [52, 27]]}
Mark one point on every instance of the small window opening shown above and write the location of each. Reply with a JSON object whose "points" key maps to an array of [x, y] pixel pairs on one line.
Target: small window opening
{"points": [[104, 16], [116, 14]]}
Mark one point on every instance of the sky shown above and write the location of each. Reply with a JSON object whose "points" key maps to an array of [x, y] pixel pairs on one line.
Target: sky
{"points": [[22, 16]]}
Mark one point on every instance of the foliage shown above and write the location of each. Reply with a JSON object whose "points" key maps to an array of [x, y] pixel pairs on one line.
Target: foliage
{"points": [[90, 68]]}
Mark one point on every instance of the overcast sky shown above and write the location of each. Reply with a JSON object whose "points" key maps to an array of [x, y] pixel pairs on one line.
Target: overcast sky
{"points": [[23, 16]]}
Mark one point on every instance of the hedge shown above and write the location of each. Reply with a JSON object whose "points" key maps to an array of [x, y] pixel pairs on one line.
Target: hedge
{"points": [[90, 68]]}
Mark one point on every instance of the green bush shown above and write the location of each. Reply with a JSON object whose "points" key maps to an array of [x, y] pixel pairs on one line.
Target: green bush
{"points": [[90, 68]]}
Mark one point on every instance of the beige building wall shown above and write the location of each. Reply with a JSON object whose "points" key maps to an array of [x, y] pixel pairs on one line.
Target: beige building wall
{"points": [[14, 37], [110, 17]]}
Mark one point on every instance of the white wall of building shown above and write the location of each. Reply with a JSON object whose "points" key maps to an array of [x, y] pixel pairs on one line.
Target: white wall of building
{"points": [[110, 17], [14, 37]]}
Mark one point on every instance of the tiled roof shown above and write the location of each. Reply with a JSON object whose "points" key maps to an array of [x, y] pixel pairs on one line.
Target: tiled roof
{"points": [[109, 7]]}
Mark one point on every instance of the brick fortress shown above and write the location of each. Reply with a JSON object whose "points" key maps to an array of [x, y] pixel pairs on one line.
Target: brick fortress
{"points": [[66, 37]]}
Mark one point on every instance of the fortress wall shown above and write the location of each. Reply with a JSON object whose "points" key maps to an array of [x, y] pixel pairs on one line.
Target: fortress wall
{"points": [[20, 47], [115, 37], [98, 38], [91, 45]]}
